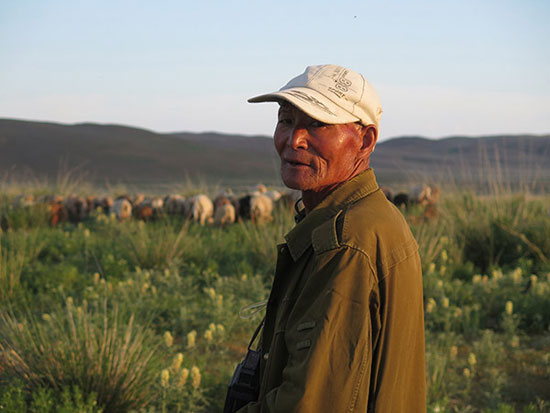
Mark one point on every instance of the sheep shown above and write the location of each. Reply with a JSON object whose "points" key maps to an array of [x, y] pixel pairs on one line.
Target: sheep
{"points": [[58, 212], [235, 202], [273, 195], [201, 209], [429, 195], [227, 193], [227, 197], [388, 192], [143, 212], [23, 201], [259, 188], [224, 212], [77, 208], [126, 197], [107, 204], [56, 208], [424, 195], [261, 208], [138, 199], [429, 202], [102, 205], [147, 209], [174, 205], [97, 204], [157, 205], [244, 207], [91, 200], [122, 208], [401, 200]]}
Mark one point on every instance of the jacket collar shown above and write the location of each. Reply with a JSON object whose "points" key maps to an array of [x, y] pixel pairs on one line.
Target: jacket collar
{"points": [[299, 238]]}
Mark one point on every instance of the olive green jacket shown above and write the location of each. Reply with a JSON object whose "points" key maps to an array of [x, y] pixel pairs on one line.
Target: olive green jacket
{"points": [[344, 328]]}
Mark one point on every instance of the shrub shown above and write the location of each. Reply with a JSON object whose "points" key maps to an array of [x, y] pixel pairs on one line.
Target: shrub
{"points": [[97, 350]]}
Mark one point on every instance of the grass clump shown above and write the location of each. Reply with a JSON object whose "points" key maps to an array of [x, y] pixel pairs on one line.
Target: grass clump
{"points": [[17, 250], [96, 349]]}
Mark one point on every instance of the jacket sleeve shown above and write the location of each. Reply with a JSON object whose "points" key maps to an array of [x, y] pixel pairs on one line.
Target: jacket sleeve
{"points": [[398, 373], [328, 338]]}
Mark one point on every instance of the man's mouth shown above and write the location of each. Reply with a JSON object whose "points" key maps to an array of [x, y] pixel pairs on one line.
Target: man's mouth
{"points": [[295, 162]]}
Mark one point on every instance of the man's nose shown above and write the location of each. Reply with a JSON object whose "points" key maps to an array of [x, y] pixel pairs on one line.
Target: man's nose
{"points": [[298, 138]]}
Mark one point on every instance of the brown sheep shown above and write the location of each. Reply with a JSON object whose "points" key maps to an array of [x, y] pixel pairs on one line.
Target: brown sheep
{"points": [[143, 212], [58, 213], [77, 208], [175, 205]]}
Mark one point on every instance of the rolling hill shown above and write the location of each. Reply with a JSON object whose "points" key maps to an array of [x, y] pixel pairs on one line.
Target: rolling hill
{"points": [[120, 154]]}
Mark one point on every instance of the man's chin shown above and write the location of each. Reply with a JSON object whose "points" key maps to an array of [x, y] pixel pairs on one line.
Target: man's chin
{"points": [[298, 184], [297, 178]]}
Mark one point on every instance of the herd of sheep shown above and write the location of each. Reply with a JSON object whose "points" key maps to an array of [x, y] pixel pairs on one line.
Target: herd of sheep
{"points": [[427, 196], [226, 208]]}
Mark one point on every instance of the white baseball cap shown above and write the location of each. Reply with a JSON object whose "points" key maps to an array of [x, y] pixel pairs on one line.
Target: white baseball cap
{"points": [[331, 94]]}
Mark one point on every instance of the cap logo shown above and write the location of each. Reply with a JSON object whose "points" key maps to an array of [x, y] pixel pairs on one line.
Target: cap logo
{"points": [[341, 85], [309, 99]]}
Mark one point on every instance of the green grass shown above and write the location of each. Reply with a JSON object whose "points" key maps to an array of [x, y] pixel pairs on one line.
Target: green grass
{"points": [[96, 315]]}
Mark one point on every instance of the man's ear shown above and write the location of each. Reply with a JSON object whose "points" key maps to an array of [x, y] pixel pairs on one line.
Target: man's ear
{"points": [[369, 134]]}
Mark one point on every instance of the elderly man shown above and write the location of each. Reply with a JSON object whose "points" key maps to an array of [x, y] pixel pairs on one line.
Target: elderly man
{"points": [[344, 329]]}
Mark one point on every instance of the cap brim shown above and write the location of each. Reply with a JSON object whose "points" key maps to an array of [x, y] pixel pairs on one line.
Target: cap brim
{"points": [[311, 102]]}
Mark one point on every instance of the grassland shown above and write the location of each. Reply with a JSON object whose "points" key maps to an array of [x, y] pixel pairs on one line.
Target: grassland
{"points": [[110, 316]]}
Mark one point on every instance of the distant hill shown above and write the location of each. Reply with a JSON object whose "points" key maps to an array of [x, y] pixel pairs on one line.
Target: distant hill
{"points": [[121, 154]]}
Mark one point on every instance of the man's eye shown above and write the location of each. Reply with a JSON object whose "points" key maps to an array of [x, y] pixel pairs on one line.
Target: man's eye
{"points": [[318, 124], [284, 121]]}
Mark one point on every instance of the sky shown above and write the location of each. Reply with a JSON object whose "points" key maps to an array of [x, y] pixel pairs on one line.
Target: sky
{"points": [[441, 67]]}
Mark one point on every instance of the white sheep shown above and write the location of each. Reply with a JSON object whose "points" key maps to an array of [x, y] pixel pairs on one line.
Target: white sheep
{"points": [[261, 207], [122, 208], [202, 209], [259, 188]]}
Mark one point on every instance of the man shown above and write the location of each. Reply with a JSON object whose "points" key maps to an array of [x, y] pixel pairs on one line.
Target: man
{"points": [[344, 329]]}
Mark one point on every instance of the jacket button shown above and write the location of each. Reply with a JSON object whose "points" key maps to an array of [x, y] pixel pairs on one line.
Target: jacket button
{"points": [[266, 356]]}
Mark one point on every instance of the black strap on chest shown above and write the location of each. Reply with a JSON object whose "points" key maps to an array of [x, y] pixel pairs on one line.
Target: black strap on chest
{"points": [[256, 333]]}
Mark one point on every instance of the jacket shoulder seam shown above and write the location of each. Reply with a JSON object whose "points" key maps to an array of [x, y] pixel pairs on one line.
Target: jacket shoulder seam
{"points": [[403, 253], [361, 252]]}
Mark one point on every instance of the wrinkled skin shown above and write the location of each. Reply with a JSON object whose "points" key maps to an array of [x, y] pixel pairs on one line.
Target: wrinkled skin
{"points": [[317, 157]]}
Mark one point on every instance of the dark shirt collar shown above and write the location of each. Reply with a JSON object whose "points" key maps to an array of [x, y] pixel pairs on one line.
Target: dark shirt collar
{"points": [[299, 238]]}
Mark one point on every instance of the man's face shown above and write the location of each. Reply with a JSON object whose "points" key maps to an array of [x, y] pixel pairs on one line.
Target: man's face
{"points": [[315, 156]]}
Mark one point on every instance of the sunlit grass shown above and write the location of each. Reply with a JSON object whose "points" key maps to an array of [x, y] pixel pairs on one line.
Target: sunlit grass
{"points": [[486, 283]]}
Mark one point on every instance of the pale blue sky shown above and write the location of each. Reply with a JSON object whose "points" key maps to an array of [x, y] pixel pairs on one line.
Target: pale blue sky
{"points": [[441, 67]]}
